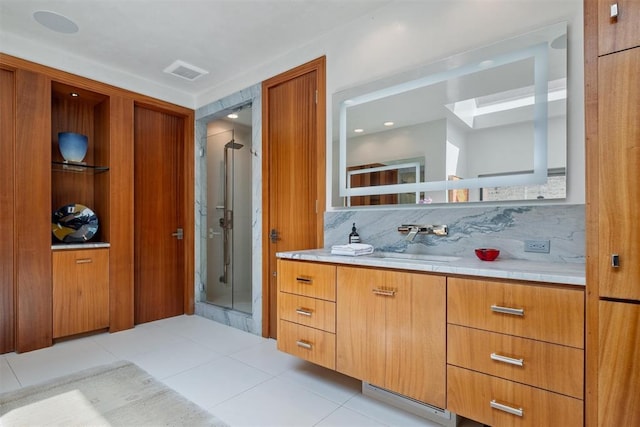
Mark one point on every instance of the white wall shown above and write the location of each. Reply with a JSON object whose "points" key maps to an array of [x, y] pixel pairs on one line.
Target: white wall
{"points": [[406, 34]]}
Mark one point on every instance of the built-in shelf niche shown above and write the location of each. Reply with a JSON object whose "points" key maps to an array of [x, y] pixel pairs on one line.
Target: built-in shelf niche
{"points": [[86, 112]]}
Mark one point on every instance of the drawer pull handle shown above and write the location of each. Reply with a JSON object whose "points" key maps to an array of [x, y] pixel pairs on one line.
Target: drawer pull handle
{"points": [[506, 408], [384, 292], [505, 359], [304, 344], [84, 260], [507, 310], [305, 280], [304, 311]]}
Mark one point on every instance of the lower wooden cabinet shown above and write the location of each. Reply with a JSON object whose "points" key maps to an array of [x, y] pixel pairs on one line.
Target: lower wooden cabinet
{"points": [[498, 402], [618, 370], [391, 331], [80, 291]]}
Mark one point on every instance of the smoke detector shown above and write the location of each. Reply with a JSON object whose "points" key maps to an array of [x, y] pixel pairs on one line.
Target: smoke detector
{"points": [[185, 71]]}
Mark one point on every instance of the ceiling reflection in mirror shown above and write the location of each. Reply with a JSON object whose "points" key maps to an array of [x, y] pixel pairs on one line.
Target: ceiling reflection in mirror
{"points": [[486, 125]]}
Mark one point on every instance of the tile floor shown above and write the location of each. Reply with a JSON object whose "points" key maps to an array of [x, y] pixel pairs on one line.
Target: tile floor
{"points": [[224, 370]]}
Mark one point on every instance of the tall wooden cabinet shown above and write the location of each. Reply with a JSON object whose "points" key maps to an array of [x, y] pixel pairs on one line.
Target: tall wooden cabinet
{"points": [[612, 82], [37, 103]]}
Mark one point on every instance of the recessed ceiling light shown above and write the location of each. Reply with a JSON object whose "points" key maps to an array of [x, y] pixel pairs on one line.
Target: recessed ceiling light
{"points": [[232, 115], [358, 130], [55, 22], [74, 94], [389, 123]]}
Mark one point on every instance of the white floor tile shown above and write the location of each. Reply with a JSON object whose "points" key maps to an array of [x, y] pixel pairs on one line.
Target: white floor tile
{"points": [[174, 358], [61, 359], [216, 381], [141, 339], [225, 340], [8, 380], [344, 417], [266, 357], [325, 382], [277, 402]]}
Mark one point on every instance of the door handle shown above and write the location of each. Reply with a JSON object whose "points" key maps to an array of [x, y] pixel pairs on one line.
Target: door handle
{"points": [[274, 235], [178, 234]]}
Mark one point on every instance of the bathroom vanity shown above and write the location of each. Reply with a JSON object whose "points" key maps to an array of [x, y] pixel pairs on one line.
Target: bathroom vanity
{"points": [[501, 343]]}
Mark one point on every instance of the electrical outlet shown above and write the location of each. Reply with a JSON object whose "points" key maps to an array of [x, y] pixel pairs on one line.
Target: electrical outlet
{"points": [[540, 246]]}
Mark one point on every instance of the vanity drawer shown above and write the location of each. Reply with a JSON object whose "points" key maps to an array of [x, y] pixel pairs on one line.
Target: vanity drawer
{"points": [[307, 343], [540, 364], [491, 401], [308, 279], [307, 311], [542, 312]]}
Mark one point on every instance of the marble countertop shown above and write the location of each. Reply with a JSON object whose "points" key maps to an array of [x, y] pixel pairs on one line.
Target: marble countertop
{"points": [[562, 273]]}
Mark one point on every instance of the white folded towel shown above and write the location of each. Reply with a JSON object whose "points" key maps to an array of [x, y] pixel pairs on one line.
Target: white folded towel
{"points": [[352, 249]]}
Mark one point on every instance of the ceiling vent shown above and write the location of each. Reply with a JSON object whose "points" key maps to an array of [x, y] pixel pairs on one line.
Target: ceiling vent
{"points": [[185, 71]]}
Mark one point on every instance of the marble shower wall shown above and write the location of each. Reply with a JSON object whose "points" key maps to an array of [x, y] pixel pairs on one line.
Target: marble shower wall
{"points": [[502, 227], [246, 322]]}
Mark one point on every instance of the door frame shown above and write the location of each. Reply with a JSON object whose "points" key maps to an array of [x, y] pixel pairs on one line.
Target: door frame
{"points": [[319, 66]]}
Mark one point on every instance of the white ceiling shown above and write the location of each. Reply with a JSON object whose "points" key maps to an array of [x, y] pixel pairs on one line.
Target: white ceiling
{"points": [[141, 38]]}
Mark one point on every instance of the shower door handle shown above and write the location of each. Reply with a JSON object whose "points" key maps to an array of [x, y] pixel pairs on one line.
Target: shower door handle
{"points": [[274, 235]]}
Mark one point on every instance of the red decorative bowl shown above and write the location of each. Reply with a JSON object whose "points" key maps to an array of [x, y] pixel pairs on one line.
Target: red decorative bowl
{"points": [[487, 254]]}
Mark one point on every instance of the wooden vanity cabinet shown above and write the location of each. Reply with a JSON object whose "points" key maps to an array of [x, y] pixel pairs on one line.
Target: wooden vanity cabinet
{"points": [[307, 311], [619, 32], [80, 291], [391, 331], [515, 352]]}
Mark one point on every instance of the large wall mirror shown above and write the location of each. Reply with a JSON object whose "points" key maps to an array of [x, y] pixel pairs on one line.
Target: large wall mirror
{"points": [[485, 125]]}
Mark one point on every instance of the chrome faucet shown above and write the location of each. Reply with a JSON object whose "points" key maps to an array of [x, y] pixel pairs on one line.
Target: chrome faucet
{"points": [[413, 230]]}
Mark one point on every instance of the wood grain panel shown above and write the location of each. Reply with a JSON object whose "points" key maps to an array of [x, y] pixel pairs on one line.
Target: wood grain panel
{"points": [[416, 337], [317, 346], [308, 279], [361, 331], [7, 226], [307, 311], [618, 373], [80, 291], [551, 313], [470, 393], [616, 34], [619, 154], [549, 366], [120, 227], [33, 211]]}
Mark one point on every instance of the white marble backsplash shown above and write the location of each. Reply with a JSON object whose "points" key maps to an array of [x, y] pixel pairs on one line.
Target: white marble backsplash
{"points": [[502, 227]]}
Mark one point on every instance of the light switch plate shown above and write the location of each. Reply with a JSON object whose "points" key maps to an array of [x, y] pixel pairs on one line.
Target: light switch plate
{"points": [[540, 246]]}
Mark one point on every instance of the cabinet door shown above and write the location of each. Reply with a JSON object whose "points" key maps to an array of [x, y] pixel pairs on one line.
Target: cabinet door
{"points": [[391, 331], [619, 153], [360, 324], [621, 32], [415, 336], [80, 291], [618, 373]]}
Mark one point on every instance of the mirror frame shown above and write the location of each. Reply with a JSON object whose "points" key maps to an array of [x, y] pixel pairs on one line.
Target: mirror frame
{"points": [[498, 54]]}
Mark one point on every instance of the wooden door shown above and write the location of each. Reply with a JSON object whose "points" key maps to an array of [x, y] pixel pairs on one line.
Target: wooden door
{"points": [[621, 32], [293, 171], [159, 276], [619, 194], [360, 324], [7, 147], [618, 373]]}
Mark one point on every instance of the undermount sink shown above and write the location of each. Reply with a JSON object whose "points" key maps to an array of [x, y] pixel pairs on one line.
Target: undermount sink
{"points": [[415, 257]]}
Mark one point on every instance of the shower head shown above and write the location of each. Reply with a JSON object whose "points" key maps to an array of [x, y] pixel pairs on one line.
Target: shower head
{"points": [[233, 145]]}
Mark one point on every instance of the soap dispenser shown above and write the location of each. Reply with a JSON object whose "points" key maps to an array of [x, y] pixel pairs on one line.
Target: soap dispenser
{"points": [[354, 237]]}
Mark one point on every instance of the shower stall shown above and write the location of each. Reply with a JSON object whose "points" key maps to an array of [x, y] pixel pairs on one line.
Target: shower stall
{"points": [[228, 224]]}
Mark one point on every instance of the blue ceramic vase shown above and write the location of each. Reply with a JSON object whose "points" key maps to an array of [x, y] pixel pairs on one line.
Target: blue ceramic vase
{"points": [[73, 146]]}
